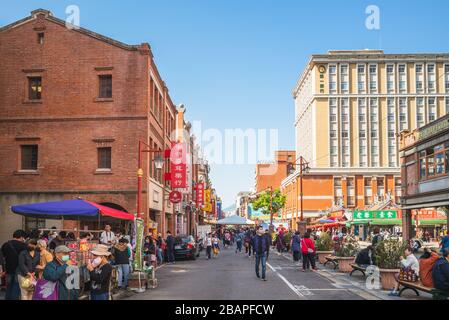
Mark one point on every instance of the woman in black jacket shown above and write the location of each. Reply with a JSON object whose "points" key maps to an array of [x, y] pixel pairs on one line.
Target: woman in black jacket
{"points": [[26, 269]]}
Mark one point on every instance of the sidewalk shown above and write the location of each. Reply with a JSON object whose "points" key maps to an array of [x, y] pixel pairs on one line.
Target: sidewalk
{"points": [[357, 284]]}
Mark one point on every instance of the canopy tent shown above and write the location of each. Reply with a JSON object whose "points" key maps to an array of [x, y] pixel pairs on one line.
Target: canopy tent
{"points": [[265, 225], [235, 220], [76, 209]]}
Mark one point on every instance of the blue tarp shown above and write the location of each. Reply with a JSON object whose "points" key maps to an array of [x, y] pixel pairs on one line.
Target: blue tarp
{"points": [[326, 221], [68, 209]]}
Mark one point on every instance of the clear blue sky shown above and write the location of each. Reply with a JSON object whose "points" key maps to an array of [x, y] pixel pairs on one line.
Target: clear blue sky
{"points": [[234, 62]]}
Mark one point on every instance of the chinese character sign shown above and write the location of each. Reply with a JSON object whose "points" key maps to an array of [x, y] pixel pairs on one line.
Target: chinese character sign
{"points": [[207, 200], [375, 214], [219, 209], [200, 195], [178, 167]]}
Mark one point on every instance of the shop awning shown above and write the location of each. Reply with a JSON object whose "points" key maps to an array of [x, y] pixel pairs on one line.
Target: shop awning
{"points": [[386, 222], [378, 222], [432, 222], [360, 222], [76, 209]]}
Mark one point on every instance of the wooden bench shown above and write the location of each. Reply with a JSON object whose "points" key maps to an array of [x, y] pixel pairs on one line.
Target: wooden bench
{"points": [[418, 286], [331, 259], [356, 267]]}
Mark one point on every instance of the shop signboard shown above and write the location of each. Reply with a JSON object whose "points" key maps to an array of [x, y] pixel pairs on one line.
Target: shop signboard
{"points": [[199, 195], [374, 214], [207, 200], [178, 167]]}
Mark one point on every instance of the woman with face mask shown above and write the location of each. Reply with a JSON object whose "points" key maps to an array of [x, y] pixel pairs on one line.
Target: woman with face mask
{"points": [[56, 271], [100, 273], [26, 269]]}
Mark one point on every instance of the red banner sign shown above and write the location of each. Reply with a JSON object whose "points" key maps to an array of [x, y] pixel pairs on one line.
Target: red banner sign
{"points": [[199, 195], [178, 167]]}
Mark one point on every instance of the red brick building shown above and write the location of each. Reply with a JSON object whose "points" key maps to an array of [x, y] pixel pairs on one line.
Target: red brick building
{"points": [[73, 106], [271, 174]]}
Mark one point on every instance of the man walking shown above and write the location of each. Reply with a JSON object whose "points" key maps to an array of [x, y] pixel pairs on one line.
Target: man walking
{"points": [[208, 242], [11, 251], [238, 241], [260, 246], [170, 247]]}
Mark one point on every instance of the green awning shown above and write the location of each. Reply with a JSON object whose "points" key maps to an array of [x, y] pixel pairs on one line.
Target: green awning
{"points": [[386, 222], [431, 222], [361, 221], [378, 222]]}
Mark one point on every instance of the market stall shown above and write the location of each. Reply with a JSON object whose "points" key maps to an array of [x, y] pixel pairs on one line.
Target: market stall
{"points": [[75, 210], [235, 220]]}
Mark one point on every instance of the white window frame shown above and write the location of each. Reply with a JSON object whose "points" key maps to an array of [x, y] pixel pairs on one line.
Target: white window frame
{"points": [[428, 75], [405, 77]]}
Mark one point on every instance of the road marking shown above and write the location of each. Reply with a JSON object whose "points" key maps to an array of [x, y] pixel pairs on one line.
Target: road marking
{"points": [[292, 287]]}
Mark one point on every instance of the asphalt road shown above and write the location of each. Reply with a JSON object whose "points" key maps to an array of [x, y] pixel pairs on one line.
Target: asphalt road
{"points": [[231, 276]]}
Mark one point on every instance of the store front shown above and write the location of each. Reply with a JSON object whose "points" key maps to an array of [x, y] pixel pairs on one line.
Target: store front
{"points": [[425, 172], [364, 221]]}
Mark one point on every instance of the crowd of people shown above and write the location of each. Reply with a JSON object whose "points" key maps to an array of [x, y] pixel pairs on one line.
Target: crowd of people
{"points": [[31, 260]]}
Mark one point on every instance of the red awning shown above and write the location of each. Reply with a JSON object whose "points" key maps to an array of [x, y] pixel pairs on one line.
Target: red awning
{"points": [[110, 212]]}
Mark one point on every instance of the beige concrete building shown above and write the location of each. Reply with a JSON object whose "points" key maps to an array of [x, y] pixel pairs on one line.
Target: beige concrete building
{"points": [[350, 105]]}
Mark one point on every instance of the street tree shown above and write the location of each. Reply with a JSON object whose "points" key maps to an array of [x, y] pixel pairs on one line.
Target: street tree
{"points": [[268, 203]]}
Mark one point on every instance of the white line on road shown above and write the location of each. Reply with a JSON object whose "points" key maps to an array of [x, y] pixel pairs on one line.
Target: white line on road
{"points": [[292, 287]]}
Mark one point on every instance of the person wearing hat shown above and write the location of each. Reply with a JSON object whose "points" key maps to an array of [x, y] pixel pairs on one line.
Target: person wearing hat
{"points": [[56, 271], [100, 273]]}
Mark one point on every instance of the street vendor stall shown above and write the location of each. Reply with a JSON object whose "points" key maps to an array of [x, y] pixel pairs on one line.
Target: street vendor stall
{"points": [[75, 210]]}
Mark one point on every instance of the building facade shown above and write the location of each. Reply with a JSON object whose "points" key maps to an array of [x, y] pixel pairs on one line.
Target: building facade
{"points": [[270, 175], [425, 171], [350, 107], [73, 106]]}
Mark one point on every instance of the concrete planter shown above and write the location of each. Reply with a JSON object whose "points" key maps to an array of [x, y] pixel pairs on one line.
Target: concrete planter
{"points": [[344, 264], [387, 279], [322, 255]]}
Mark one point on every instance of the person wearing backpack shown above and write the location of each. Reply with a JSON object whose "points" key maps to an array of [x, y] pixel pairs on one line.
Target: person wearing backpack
{"points": [[11, 251], [308, 252], [296, 246], [377, 237]]}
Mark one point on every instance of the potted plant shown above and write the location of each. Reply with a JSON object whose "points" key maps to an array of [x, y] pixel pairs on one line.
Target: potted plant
{"points": [[387, 257], [346, 250], [324, 247]]}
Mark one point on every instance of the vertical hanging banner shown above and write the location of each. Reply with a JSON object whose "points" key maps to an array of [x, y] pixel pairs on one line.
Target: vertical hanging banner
{"points": [[219, 210], [139, 243], [178, 165], [207, 200], [199, 195]]}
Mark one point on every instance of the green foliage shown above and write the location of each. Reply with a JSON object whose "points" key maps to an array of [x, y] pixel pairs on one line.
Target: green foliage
{"points": [[348, 247], [264, 203], [324, 242], [388, 253]]}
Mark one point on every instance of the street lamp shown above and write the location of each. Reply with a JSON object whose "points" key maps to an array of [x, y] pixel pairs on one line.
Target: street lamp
{"points": [[159, 162], [303, 168]]}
